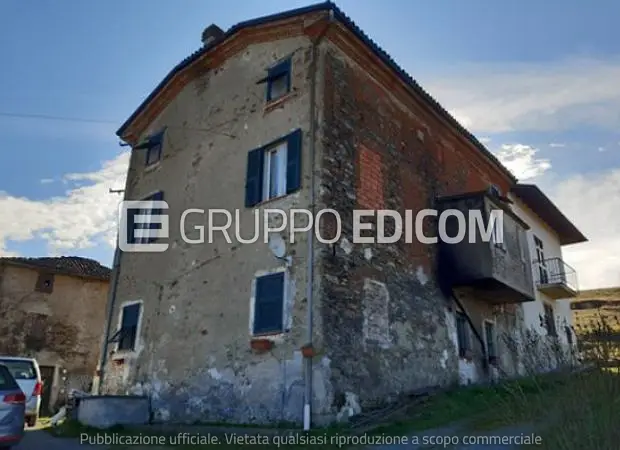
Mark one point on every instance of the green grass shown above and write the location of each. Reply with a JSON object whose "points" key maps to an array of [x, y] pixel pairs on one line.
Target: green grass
{"points": [[572, 412], [477, 407]]}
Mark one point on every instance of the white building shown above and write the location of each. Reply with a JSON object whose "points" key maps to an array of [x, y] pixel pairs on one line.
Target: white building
{"points": [[555, 282]]}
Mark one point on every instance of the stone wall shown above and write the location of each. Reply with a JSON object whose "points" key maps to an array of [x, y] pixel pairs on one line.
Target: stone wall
{"points": [[58, 328], [386, 323]]}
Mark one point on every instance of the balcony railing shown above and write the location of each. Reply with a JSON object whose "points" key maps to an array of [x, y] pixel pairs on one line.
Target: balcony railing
{"points": [[556, 278]]}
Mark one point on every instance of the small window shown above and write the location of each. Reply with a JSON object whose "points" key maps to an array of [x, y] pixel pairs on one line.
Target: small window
{"points": [[269, 304], [132, 237], [279, 80], [153, 146], [489, 334], [127, 335], [45, 283], [462, 332], [274, 170], [550, 320]]}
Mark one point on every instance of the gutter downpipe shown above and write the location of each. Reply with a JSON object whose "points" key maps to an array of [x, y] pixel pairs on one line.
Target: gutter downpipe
{"points": [[110, 313], [103, 358], [310, 268]]}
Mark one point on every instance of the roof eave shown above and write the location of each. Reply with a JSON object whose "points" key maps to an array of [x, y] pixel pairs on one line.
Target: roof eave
{"points": [[571, 234], [228, 34], [357, 31], [53, 270]]}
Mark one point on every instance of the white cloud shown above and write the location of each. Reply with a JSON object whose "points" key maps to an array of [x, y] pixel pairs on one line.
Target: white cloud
{"points": [[601, 149], [485, 140], [593, 204], [520, 97], [557, 145], [47, 180], [521, 160], [83, 217]]}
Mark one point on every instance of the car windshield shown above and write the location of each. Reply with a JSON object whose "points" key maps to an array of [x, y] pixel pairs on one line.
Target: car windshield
{"points": [[7, 382], [21, 370]]}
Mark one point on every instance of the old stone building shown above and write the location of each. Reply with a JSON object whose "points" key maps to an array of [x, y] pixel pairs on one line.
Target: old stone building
{"points": [[53, 309], [302, 110]]}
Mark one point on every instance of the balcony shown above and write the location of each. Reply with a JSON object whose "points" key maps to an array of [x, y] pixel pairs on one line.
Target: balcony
{"points": [[556, 279], [497, 273]]}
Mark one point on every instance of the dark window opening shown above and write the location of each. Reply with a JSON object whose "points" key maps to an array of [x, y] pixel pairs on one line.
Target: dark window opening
{"points": [[127, 334], [489, 332], [550, 320], [462, 332], [153, 146], [45, 283], [278, 80]]}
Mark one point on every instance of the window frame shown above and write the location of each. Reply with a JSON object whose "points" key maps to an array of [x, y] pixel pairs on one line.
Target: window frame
{"points": [[543, 271], [279, 70], [463, 348], [549, 314], [154, 141], [257, 179], [280, 147], [119, 328], [486, 323], [283, 271]]}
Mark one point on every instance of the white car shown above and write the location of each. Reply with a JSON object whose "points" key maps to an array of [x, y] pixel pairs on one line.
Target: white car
{"points": [[28, 375]]}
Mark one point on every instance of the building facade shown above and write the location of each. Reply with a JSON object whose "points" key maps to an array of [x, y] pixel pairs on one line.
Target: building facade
{"points": [[302, 110], [53, 309]]}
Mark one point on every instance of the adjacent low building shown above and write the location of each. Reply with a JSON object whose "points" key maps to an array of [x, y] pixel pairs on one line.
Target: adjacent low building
{"points": [[53, 309], [303, 110]]}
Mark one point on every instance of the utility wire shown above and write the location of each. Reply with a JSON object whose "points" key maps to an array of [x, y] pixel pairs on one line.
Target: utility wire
{"points": [[50, 117], [86, 120]]}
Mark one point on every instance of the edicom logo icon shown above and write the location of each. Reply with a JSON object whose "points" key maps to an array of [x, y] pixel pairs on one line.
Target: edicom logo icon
{"points": [[141, 224]]}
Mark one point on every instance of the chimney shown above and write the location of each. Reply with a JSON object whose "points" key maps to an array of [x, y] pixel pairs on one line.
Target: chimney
{"points": [[210, 34]]}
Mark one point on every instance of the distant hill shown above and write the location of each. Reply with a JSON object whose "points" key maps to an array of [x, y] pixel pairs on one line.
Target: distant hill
{"points": [[596, 305]]}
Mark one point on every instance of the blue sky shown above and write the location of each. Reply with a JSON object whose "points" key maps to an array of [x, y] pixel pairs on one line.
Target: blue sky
{"points": [[538, 82]]}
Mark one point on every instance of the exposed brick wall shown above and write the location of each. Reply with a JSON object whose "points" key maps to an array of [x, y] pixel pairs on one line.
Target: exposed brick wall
{"points": [[370, 180], [378, 154]]}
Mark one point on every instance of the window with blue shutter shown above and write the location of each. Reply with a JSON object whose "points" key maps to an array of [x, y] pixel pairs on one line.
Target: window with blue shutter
{"points": [[269, 304], [132, 225], [274, 170], [128, 332], [278, 80]]}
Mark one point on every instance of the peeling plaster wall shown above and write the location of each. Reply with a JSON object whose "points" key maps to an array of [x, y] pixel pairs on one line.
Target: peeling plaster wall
{"points": [[195, 359], [60, 329]]}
